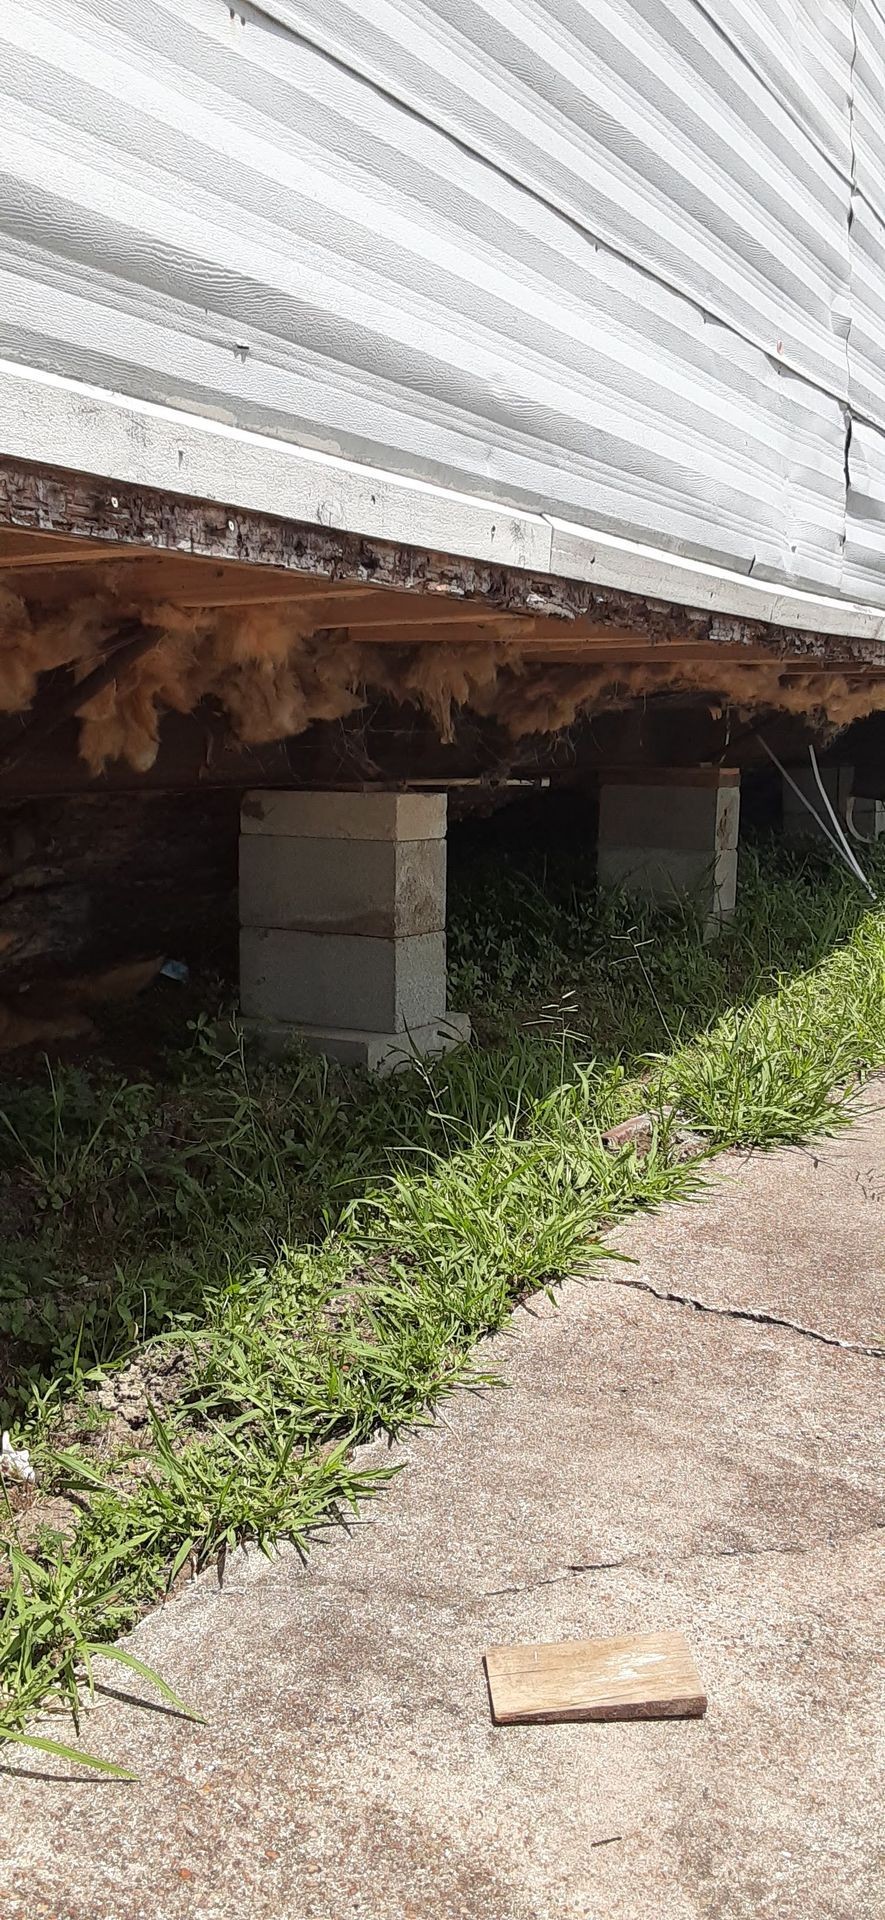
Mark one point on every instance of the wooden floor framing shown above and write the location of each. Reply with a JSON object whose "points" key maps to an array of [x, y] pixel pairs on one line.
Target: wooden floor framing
{"points": [[67, 536]]}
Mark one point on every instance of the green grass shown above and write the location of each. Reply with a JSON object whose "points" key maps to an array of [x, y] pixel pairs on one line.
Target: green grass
{"points": [[279, 1263]]}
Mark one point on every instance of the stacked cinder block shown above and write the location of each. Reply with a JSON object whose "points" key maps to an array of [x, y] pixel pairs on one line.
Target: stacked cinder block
{"points": [[342, 912], [668, 835]]}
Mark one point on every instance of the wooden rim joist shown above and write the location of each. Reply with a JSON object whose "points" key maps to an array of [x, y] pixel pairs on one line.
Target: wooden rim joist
{"points": [[65, 537]]}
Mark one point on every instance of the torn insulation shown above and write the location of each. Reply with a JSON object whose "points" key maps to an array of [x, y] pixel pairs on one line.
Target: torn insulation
{"points": [[273, 673]]}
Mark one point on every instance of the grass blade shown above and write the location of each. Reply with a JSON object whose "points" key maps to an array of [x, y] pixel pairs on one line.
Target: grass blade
{"points": [[73, 1754], [149, 1674]]}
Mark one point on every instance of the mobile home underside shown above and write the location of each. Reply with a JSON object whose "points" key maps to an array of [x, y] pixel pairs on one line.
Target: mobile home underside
{"points": [[458, 395], [166, 659]]}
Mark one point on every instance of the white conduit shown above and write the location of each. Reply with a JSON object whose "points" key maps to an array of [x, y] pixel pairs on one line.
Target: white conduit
{"points": [[850, 854], [837, 840]]}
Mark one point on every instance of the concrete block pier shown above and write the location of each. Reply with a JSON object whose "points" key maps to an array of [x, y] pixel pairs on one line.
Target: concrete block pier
{"points": [[342, 924], [672, 834]]}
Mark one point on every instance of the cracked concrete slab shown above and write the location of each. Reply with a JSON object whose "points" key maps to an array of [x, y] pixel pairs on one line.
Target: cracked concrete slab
{"points": [[805, 1242], [646, 1466]]}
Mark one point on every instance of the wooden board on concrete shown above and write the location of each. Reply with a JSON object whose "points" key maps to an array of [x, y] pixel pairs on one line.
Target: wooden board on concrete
{"points": [[642, 1676]]}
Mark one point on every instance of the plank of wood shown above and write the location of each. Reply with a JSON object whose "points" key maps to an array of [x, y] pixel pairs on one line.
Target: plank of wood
{"points": [[641, 1676], [62, 554]]}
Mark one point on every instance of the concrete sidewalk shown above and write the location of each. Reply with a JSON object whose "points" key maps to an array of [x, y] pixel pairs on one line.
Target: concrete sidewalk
{"points": [[649, 1465]]}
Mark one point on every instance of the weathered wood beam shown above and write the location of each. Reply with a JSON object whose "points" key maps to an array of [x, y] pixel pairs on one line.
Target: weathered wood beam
{"points": [[196, 583], [504, 629], [43, 499]]}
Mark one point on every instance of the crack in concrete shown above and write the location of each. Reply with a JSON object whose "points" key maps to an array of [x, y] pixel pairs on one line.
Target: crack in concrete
{"points": [[576, 1568], [642, 1284]]}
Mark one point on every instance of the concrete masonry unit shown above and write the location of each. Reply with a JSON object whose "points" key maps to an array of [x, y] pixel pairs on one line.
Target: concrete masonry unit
{"points": [[343, 899], [342, 914], [343, 902], [671, 835]]}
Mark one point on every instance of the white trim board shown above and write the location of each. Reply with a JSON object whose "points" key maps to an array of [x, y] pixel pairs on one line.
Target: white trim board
{"points": [[49, 420]]}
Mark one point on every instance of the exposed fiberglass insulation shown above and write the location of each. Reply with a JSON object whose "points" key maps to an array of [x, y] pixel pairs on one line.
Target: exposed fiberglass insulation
{"points": [[272, 675]]}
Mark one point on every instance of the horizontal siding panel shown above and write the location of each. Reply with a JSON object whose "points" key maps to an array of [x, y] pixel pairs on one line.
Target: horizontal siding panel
{"points": [[864, 564], [866, 347], [641, 121], [592, 260]]}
